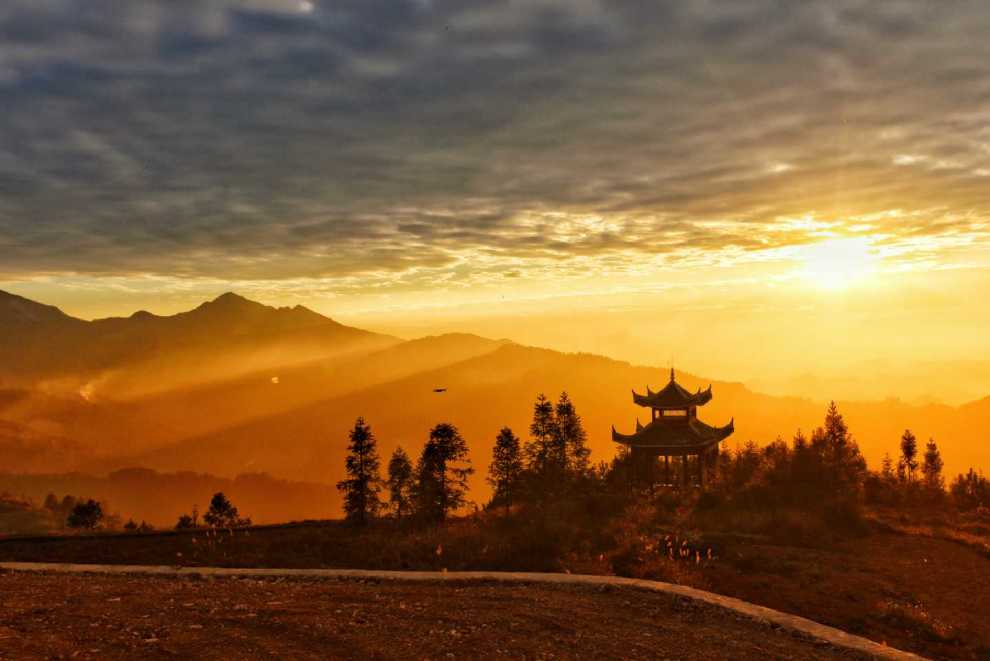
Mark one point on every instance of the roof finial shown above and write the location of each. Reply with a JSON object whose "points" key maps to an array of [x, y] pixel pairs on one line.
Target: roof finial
{"points": [[672, 373]]}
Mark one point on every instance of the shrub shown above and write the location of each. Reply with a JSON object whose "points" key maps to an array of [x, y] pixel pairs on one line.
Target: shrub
{"points": [[85, 516]]}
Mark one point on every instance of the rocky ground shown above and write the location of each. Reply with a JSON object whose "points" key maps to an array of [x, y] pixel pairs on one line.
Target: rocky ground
{"points": [[106, 617]]}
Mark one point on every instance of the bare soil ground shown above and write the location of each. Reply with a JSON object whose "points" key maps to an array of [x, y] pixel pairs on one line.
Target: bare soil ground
{"points": [[108, 617], [916, 592]]}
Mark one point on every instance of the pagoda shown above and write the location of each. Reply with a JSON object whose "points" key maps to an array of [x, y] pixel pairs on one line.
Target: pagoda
{"points": [[674, 431]]}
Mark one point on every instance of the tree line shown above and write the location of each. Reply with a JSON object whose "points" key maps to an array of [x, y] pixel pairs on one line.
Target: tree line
{"points": [[823, 471], [554, 458]]}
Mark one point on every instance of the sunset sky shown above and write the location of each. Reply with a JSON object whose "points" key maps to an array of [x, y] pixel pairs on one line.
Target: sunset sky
{"points": [[738, 187]]}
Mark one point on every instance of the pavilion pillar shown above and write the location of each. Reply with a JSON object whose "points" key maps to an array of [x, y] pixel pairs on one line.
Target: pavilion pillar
{"points": [[666, 470], [685, 478], [701, 471]]}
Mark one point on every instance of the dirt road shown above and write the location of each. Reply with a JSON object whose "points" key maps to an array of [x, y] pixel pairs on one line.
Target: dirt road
{"points": [[98, 616]]}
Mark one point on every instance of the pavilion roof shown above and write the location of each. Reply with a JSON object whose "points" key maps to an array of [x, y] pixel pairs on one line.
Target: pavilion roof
{"points": [[677, 435], [673, 396]]}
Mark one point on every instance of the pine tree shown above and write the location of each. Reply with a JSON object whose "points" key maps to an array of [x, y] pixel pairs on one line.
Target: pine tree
{"points": [[540, 449], [442, 473], [844, 464], [400, 482], [571, 437], [931, 469], [363, 483], [909, 455], [223, 514], [506, 468]]}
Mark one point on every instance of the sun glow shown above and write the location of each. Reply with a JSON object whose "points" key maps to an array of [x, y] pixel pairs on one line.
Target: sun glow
{"points": [[838, 263]]}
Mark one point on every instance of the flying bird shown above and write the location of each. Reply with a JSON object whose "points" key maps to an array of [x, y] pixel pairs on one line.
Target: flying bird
{"points": [[439, 390]]}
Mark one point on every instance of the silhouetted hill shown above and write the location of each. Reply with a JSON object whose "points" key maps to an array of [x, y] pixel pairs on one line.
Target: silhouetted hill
{"points": [[17, 311], [120, 356]]}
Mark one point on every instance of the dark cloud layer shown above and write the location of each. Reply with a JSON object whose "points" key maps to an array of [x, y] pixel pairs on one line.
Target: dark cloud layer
{"points": [[274, 139]]}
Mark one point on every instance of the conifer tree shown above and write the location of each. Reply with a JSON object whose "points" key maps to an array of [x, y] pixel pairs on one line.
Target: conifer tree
{"points": [[400, 483], [844, 464], [540, 449], [931, 469], [572, 440], [506, 468], [909, 455], [363, 482], [442, 473], [223, 514]]}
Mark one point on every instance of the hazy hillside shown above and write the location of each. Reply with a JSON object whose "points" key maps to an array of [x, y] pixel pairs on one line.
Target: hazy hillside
{"points": [[113, 427], [125, 357], [234, 386], [159, 498], [498, 388]]}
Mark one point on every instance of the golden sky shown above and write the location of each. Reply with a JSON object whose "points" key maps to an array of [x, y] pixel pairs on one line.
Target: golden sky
{"points": [[741, 187]]}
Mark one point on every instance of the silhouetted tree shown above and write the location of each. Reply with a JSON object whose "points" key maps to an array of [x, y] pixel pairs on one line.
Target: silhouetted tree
{"points": [[909, 456], [363, 483], [185, 522], [542, 457], [442, 473], [86, 516], [400, 483], [931, 470], [506, 468], [970, 491], [843, 466], [569, 436], [223, 514], [130, 526]]}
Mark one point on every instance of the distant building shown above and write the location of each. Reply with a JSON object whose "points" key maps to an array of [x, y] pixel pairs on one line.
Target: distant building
{"points": [[674, 431]]}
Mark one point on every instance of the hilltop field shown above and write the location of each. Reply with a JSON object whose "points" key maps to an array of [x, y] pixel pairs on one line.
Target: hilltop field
{"points": [[918, 585]]}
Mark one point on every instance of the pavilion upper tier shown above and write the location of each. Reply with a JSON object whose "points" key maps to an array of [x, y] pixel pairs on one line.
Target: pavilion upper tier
{"points": [[673, 397]]}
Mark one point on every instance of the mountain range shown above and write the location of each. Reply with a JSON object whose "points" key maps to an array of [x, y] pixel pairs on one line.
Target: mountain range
{"points": [[234, 386]]}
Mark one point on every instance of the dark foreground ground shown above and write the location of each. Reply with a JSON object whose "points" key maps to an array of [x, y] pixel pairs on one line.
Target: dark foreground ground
{"points": [[914, 590], [99, 617]]}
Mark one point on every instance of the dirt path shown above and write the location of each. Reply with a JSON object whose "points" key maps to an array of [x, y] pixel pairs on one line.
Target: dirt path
{"points": [[46, 615]]}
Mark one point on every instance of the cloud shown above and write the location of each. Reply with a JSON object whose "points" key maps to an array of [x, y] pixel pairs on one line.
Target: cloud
{"points": [[389, 141]]}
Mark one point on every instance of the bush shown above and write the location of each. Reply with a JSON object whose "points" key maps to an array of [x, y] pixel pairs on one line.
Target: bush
{"points": [[85, 516]]}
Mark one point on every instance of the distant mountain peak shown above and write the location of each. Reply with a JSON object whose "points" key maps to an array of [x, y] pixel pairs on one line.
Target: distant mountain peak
{"points": [[17, 309], [230, 297], [229, 302]]}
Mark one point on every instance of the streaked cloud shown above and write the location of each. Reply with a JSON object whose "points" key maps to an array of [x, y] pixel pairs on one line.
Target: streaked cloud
{"points": [[382, 145]]}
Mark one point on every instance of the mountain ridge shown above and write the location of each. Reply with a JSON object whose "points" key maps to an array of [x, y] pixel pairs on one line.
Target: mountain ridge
{"points": [[41, 343], [278, 390]]}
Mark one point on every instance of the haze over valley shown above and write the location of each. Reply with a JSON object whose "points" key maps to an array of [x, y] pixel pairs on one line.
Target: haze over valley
{"points": [[234, 387]]}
